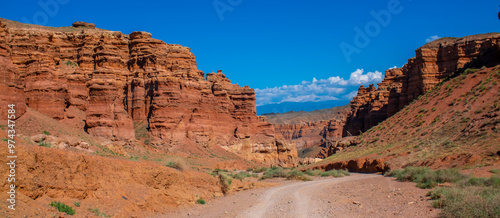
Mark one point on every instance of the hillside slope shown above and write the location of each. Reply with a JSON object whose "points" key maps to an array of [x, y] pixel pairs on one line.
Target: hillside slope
{"points": [[456, 124], [432, 63]]}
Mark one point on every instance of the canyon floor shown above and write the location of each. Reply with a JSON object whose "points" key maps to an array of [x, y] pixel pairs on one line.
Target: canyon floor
{"points": [[358, 195]]}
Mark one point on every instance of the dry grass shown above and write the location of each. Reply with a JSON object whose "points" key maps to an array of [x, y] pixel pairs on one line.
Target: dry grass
{"points": [[177, 163], [467, 196]]}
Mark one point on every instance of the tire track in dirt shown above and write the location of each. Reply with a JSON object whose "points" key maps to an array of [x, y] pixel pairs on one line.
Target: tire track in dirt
{"points": [[292, 200]]}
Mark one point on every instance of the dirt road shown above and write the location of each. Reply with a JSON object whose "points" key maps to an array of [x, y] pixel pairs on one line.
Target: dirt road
{"points": [[293, 200], [358, 195]]}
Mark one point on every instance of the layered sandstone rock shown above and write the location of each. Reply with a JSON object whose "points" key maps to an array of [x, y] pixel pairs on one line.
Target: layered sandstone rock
{"points": [[433, 62], [10, 85], [104, 81], [303, 134], [331, 147]]}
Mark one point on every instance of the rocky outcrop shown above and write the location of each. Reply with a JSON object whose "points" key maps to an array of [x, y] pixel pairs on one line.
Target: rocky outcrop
{"points": [[331, 147], [10, 86], [433, 62], [362, 165], [104, 81], [83, 24]]}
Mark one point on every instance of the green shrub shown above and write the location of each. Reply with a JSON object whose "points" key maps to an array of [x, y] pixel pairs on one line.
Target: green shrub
{"points": [[495, 171], [77, 203], [297, 175], [274, 172], [177, 164], [467, 196], [470, 70], [44, 144], [493, 181], [345, 172], [313, 172], [70, 63], [46, 133], [335, 173], [475, 181], [96, 212], [260, 170], [225, 183], [61, 207], [427, 178], [200, 201], [470, 201], [241, 175]]}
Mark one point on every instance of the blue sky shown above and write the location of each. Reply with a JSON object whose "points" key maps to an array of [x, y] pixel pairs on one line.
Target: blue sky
{"points": [[288, 50]]}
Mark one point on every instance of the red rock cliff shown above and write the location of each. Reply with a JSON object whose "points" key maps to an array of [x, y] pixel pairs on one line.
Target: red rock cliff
{"points": [[104, 81], [433, 62]]}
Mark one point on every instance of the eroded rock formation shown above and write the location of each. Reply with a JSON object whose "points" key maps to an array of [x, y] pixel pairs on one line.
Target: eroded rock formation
{"points": [[433, 62], [104, 81], [310, 129]]}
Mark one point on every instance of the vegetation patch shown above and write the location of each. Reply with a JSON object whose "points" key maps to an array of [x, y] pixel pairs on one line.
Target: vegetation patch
{"points": [[425, 177], [200, 201], [240, 175], [335, 173], [274, 172], [260, 170], [313, 172], [277, 172], [44, 144], [467, 196], [297, 175], [97, 212], [70, 63], [225, 182], [61, 207], [176, 164]]}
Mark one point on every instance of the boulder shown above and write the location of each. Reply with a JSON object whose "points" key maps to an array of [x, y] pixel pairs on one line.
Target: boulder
{"points": [[83, 24]]}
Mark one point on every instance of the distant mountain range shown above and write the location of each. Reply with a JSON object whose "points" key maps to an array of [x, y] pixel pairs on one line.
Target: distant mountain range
{"points": [[299, 106]]}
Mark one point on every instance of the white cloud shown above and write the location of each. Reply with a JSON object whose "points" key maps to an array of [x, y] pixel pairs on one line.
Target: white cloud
{"points": [[432, 38], [358, 78], [350, 96], [316, 90]]}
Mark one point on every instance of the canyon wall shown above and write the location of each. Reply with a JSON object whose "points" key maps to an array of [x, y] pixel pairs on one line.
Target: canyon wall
{"points": [[434, 62], [311, 134], [105, 81], [310, 129]]}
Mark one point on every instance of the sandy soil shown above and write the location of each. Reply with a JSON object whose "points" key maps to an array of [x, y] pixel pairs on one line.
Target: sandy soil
{"points": [[358, 195]]}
